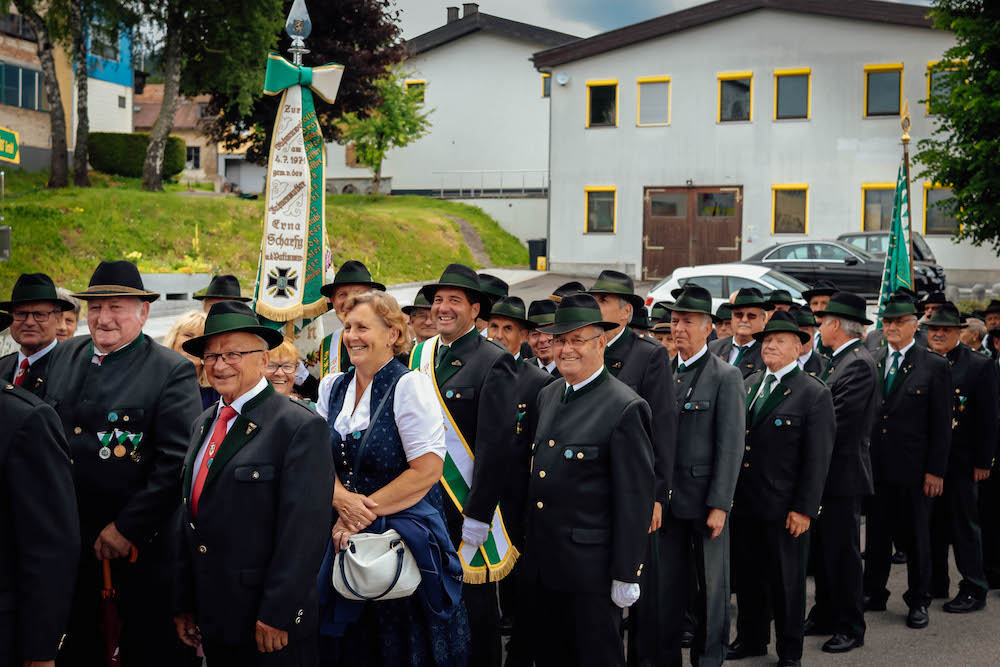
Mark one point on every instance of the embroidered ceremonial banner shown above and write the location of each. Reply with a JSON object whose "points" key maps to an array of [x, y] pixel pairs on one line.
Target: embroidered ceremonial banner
{"points": [[896, 271], [293, 244], [495, 559], [329, 354]]}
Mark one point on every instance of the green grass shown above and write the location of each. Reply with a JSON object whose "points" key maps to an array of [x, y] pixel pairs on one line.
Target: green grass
{"points": [[66, 233]]}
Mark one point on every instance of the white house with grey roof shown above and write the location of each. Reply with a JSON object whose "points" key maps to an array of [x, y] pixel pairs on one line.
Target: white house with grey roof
{"points": [[709, 134]]}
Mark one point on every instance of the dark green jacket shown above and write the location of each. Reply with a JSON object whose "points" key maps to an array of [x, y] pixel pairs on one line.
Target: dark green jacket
{"points": [[37, 372], [749, 364]]}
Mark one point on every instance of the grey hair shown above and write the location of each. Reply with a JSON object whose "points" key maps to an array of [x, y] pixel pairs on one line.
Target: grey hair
{"points": [[977, 326], [64, 293], [852, 328]]}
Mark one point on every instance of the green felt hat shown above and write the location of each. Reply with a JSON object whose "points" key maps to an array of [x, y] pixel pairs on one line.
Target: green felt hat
{"points": [[493, 287], [898, 306], [661, 311], [693, 299], [640, 319], [617, 284], [542, 312], [780, 297], [351, 273], [803, 316], [512, 307], [575, 312], [782, 322], [116, 279], [5, 320], [231, 317], [33, 287], [847, 305], [750, 297], [461, 277], [420, 302], [724, 312], [821, 288], [946, 315]]}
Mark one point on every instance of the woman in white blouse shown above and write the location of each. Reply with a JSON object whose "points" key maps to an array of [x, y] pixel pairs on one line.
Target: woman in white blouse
{"points": [[399, 466]]}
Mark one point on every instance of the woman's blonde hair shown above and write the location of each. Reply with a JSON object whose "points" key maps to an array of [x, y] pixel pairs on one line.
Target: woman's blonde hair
{"points": [[194, 321], [286, 349], [387, 308]]}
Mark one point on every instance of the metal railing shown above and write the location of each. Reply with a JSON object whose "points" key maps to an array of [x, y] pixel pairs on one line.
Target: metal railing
{"points": [[493, 182]]}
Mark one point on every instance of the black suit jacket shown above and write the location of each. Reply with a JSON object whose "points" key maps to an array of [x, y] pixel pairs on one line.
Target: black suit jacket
{"points": [[852, 379], [815, 364], [263, 523], [644, 366], [975, 409], [39, 529], [875, 340], [749, 364], [788, 447], [911, 435], [590, 494], [37, 372], [534, 361]]}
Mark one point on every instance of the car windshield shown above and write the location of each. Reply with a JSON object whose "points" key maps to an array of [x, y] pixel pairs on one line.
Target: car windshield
{"points": [[779, 280], [925, 250]]}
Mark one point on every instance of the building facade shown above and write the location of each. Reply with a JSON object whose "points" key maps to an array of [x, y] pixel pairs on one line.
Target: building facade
{"points": [[189, 123], [709, 134]]}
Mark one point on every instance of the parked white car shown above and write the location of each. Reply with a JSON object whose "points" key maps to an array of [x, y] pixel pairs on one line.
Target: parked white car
{"points": [[724, 279]]}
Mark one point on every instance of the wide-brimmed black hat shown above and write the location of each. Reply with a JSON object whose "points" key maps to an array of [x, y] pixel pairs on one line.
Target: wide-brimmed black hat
{"points": [[461, 277], [782, 322], [724, 312], [640, 319], [542, 312], [820, 288], [898, 305], [946, 315], [693, 299], [31, 287], [848, 306], [780, 297], [994, 307], [5, 320], [493, 287], [804, 316], [661, 311], [420, 302], [618, 284], [575, 312], [231, 317], [564, 290], [935, 297], [351, 272], [907, 292], [750, 297], [662, 326], [512, 307], [113, 279], [676, 292], [223, 287]]}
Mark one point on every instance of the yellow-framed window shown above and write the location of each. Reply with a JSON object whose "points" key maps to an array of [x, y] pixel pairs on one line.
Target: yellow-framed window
{"points": [[792, 93], [876, 206], [735, 97], [546, 85], [652, 106], [937, 221], [418, 85], [601, 206], [938, 83], [883, 89], [602, 103], [790, 208]]}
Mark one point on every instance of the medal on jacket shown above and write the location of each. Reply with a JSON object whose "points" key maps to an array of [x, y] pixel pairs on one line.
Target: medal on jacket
{"points": [[105, 451]]}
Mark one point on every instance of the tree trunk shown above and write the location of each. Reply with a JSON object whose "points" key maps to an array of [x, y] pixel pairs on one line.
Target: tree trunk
{"points": [[59, 166], [152, 169], [81, 177]]}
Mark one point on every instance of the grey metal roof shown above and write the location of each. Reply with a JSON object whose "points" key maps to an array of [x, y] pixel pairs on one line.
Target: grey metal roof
{"points": [[487, 23]]}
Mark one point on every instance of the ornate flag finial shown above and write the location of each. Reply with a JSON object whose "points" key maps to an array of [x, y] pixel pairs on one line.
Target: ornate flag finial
{"points": [[298, 26]]}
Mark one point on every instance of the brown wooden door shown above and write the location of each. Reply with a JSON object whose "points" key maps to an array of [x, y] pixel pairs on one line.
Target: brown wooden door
{"points": [[685, 226]]}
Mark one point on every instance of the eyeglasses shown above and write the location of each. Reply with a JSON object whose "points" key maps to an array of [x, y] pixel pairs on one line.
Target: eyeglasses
{"points": [[39, 316], [287, 368], [896, 321], [574, 343], [232, 358], [742, 315]]}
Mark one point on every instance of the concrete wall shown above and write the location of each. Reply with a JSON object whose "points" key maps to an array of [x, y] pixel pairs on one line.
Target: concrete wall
{"points": [[102, 106], [835, 151], [523, 217]]}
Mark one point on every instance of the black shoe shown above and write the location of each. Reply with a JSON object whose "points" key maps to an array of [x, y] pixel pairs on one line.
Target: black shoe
{"points": [[899, 558], [812, 628], [917, 618], [874, 604], [738, 650], [687, 638], [964, 603], [841, 643], [788, 662]]}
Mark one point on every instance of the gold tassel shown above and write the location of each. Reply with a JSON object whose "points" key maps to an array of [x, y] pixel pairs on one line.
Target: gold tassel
{"points": [[506, 566], [475, 576]]}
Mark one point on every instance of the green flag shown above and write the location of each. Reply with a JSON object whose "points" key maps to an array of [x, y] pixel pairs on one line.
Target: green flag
{"points": [[897, 259]]}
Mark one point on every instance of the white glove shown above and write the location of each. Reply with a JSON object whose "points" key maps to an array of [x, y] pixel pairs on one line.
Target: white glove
{"points": [[474, 532], [624, 595]]}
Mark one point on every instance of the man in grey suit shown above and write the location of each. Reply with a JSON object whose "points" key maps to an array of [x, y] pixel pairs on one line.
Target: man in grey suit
{"points": [[709, 452]]}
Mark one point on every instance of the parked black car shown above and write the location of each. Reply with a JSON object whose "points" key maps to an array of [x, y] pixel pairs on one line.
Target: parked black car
{"points": [[845, 265], [876, 243]]}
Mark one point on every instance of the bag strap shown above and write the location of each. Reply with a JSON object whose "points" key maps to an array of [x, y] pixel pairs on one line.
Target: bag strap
{"points": [[371, 422], [400, 549]]}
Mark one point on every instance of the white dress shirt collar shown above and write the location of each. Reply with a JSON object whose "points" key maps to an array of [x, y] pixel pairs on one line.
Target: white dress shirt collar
{"points": [[903, 351], [615, 339], [581, 385], [845, 346], [804, 359], [695, 357], [245, 398]]}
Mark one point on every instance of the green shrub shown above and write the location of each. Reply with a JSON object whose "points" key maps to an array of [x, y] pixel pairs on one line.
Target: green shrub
{"points": [[123, 154]]}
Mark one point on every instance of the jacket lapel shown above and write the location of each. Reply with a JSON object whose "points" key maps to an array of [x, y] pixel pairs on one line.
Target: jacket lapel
{"points": [[451, 364], [780, 392], [242, 431], [614, 358], [193, 452], [905, 370]]}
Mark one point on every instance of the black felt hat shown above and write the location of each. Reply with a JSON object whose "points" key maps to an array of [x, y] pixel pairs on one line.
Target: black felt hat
{"points": [[804, 316], [946, 315], [661, 311], [994, 307], [640, 319], [663, 326], [231, 317], [693, 299], [935, 297], [781, 297], [420, 302], [820, 288], [113, 279], [32, 287], [847, 305], [493, 287], [617, 283], [575, 312], [5, 320], [564, 290], [461, 277], [223, 287], [724, 312], [512, 307], [351, 272], [542, 312], [782, 322], [750, 297], [676, 292]]}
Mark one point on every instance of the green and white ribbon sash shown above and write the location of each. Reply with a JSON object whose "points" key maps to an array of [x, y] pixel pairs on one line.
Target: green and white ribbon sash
{"points": [[329, 353], [293, 243], [496, 557]]}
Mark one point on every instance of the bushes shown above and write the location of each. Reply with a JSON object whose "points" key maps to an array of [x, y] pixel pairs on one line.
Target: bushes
{"points": [[124, 154]]}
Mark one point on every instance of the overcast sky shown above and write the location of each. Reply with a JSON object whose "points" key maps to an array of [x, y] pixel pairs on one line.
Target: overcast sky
{"points": [[576, 17]]}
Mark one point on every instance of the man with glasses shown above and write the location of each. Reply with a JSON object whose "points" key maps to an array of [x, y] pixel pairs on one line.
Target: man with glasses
{"points": [[590, 497], [911, 438], [36, 309], [542, 313], [126, 405], [748, 317]]}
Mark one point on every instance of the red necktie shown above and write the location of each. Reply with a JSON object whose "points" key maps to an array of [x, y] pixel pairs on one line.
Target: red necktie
{"points": [[22, 372], [218, 435]]}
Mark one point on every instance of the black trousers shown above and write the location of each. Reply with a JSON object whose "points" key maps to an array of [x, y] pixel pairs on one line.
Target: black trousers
{"points": [[300, 652], [955, 521], [580, 629], [901, 514], [685, 541], [770, 576], [836, 542], [646, 639], [989, 508], [512, 605], [484, 623]]}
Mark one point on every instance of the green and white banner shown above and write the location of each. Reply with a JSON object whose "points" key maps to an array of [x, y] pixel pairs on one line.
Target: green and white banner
{"points": [[896, 272]]}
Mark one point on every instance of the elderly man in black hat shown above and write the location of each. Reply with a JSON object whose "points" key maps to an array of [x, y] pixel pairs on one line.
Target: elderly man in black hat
{"points": [[352, 278], [911, 438], [540, 314], [589, 499], [955, 517], [643, 365], [781, 300], [749, 314], [126, 404], [850, 374], [875, 340], [257, 488], [816, 298], [991, 317], [222, 288], [40, 542], [789, 439], [36, 308], [476, 380], [495, 289], [723, 321], [810, 361]]}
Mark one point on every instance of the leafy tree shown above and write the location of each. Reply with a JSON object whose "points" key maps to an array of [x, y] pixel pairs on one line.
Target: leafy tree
{"points": [[397, 120], [962, 151]]}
